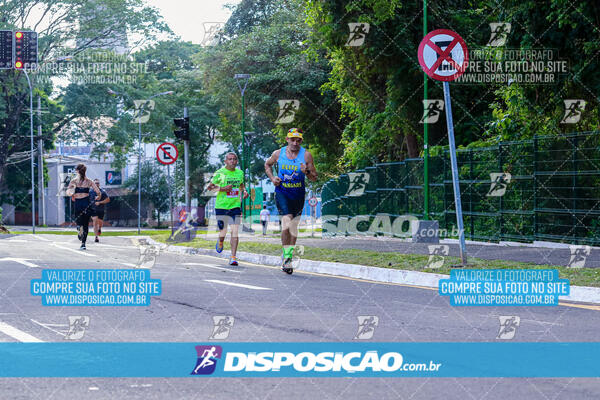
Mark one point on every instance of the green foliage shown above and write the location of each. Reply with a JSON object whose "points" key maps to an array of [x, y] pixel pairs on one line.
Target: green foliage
{"points": [[267, 40]]}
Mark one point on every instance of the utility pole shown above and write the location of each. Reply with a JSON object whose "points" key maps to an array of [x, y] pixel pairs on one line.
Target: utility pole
{"points": [[42, 194], [186, 146]]}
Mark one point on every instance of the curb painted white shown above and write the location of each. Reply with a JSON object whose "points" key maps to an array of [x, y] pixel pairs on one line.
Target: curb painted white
{"points": [[387, 275]]}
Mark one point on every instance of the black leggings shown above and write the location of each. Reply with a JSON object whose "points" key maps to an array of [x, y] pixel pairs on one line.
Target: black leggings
{"points": [[82, 216]]}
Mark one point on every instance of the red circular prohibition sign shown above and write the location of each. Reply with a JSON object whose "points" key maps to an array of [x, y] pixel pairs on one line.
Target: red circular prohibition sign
{"points": [[169, 158], [431, 66]]}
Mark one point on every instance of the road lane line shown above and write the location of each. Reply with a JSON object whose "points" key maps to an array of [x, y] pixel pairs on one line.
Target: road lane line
{"points": [[20, 261], [18, 334], [236, 284], [128, 264], [215, 267], [81, 252], [47, 326]]}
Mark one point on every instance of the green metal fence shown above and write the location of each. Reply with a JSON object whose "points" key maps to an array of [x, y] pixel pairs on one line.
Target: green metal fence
{"points": [[552, 193]]}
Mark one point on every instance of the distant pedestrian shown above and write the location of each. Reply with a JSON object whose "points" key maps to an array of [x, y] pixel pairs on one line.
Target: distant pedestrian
{"points": [[98, 210], [79, 190], [264, 219]]}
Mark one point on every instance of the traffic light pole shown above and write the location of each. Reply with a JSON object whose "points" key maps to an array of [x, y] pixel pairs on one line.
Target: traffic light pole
{"points": [[186, 145]]}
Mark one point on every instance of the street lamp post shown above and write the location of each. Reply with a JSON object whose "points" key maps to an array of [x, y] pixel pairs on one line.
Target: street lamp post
{"points": [[239, 78], [32, 153]]}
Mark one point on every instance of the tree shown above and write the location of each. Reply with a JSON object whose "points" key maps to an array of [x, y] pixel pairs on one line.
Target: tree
{"points": [[90, 24], [267, 40]]}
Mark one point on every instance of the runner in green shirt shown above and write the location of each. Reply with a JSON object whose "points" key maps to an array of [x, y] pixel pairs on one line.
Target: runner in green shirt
{"points": [[229, 180]]}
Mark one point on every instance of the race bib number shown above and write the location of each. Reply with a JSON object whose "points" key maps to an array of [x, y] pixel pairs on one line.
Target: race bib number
{"points": [[233, 193]]}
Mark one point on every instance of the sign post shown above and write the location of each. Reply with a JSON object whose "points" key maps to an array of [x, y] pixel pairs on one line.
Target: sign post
{"points": [[167, 154], [444, 57], [312, 202]]}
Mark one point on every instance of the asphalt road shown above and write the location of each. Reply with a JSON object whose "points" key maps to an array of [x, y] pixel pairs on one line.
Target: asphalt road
{"points": [[268, 306]]}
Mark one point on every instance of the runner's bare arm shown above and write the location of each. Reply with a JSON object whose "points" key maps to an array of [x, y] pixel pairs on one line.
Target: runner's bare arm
{"points": [[243, 191], [269, 167], [311, 171], [71, 188], [98, 193]]}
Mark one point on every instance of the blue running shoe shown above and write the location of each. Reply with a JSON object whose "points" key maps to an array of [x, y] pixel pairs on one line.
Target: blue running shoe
{"points": [[217, 247]]}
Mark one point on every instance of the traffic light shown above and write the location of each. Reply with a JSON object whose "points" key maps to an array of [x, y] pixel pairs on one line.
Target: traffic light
{"points": [[183, 125], [26, 49], [6, 49]]}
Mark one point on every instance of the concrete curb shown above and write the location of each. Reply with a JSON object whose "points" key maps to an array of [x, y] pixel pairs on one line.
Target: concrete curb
{"points": [[582, 294]]}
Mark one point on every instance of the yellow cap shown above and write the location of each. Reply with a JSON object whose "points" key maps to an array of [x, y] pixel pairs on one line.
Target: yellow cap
{"points": [[295, 133]]}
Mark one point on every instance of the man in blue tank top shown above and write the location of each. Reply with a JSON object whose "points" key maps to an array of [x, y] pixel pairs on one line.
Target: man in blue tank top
{"points": [[294, 164]]}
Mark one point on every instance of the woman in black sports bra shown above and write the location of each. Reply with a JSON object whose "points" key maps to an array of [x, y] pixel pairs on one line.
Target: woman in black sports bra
{"points": [[79, 190]]}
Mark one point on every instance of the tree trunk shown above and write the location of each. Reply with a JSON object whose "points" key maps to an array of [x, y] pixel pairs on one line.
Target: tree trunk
{"points": [[411, 145]]}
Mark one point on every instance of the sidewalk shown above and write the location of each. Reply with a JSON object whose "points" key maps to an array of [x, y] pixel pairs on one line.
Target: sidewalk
{"points": [[538, 253]]}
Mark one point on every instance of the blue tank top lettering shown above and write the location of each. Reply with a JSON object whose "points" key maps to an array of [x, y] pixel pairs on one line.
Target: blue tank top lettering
{"points": [[292, 177]]}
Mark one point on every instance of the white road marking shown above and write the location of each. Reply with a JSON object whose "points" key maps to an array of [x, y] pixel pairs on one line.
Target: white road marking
{"points": [[18, 334], [20, 261], [42, 238], [47, 326], [11, 240], [212, 266], [114, 246], [128, 264], [237, 284], [81, 252]]}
